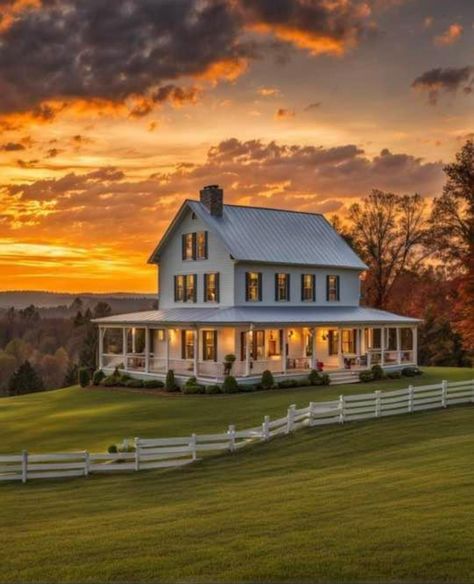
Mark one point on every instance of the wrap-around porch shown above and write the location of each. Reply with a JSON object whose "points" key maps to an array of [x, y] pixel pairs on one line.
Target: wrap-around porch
{"points": [[191, 350]]}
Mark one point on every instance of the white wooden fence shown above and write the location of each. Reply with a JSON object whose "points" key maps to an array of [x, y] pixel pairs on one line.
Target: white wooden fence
{"points": [[174, 452]]}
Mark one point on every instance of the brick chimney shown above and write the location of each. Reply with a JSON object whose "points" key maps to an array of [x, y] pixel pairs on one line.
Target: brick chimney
{"points": [[211, 196]]}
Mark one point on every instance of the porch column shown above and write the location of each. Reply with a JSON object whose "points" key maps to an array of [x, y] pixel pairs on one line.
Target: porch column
{"points": [[134, 345], [382, 346], [339, 348], [101, 346], [283, 350], [247, 351], [196, 352], [147, 349], [167, 349], [399, 352], [415, 345], [314, 356], [124, 346]]}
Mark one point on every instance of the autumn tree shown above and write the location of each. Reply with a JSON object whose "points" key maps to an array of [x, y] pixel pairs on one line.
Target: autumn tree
{"points": [[389, 232]]}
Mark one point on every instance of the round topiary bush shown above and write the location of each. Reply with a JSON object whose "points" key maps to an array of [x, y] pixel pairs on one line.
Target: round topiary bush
{"points": [[267, 379], [230, 385], [84, 377], [98, 376]]}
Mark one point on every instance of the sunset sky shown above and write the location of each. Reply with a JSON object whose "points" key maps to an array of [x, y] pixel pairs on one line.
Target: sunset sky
{"points": [[112, 112]]}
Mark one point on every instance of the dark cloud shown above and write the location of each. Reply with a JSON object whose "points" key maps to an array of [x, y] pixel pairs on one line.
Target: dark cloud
{"points": [[12, 147], [448, 79], [312, 106], [101, 50]]}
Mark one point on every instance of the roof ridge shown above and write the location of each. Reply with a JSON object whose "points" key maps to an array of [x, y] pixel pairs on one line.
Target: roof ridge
{"points": [[263, 208]]}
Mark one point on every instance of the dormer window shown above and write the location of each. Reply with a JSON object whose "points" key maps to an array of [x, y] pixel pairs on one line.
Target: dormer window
{"points": [[332, 288]]}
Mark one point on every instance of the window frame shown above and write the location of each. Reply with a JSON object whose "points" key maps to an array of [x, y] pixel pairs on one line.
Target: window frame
{"points": [[333, 290], [333, 343], [206, 298], [186, 345], [312, 295], [188, 243], [348, 341], [257, 287], [184, 288], [209, 335], [282, 287], [204, 255]]}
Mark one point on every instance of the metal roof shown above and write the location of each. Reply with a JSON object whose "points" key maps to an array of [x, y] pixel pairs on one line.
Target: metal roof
{"points": [[264, 315], [257, 234]]}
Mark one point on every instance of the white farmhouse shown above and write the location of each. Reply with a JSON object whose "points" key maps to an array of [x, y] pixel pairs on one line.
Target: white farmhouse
{"points": [[278, 289]]}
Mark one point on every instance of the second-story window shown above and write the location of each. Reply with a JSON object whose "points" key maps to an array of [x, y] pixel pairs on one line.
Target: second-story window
{"points": [[201, 245], [332, 288], [211, 287], [308, 287], [189, 246], [282, 287], [185, 288], [253, 286]]}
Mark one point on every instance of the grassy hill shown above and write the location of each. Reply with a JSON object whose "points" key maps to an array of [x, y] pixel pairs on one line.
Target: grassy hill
{"points": [[381, 501], [77, 419]]}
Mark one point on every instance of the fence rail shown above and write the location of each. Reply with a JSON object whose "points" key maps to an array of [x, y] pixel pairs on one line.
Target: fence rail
{"points": [[175, 452]]}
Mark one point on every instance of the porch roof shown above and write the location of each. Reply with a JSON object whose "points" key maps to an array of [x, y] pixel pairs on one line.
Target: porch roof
{"points": [[260, 315]]}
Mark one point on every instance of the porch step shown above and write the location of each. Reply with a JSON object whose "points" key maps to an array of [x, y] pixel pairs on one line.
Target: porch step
{"points": [[343, 377]]}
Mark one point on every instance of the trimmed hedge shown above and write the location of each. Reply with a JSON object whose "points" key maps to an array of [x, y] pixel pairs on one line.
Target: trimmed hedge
{"points": [[133, 383], [170, 383], [153, 384], [267, 379], [411, 371], [377, 372], [197, 388], [316, 378], [98, 376], [394, 374], [84, 377], [213, 389], [366, 376], [230, 385]]}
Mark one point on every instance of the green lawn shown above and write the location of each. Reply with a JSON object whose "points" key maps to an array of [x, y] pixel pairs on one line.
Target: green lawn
{"points": [[76, 419], [382, 501]]}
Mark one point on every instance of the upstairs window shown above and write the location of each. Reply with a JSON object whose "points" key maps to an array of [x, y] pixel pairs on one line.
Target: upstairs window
{"points": [[308, 287], [253, 286], [189, 246], [185, 288], [332, 288], [282, 287], [201, 245], [211, 287], [194, 246], [209, 345]]}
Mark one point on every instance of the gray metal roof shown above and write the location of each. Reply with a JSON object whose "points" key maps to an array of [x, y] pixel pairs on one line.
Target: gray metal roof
{"points": [[264, 315], [257, 234]]}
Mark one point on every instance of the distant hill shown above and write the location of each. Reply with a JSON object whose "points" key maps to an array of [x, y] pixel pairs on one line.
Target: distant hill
{"points": [[52, 302]]}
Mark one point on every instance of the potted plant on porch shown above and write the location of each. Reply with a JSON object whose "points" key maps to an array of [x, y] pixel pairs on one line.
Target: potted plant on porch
{"points": [[228, 362]]}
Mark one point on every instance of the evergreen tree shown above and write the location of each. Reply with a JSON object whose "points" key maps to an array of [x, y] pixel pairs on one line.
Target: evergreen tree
{"points": [[25, 380], [72, 375], [89, 348], [102, 309]]}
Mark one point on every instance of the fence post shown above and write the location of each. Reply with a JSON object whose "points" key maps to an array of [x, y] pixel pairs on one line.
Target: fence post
{"points": [[377, 403], [410, 398], [444, 392], [193, 446], [266, 428], [86, 463], [290, 416], [341, 407], [231, 434], [310, 414], [24, 466], [137, 453]]}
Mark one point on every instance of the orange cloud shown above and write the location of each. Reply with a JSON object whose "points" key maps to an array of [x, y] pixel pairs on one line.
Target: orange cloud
{"points": [[284, 114], [9, 11], [225, 69], [450, 36], [268, 91]]}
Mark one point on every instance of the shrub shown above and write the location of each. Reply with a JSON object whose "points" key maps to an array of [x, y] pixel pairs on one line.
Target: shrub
{"points": [[212, 389], [133, 383], [191, 381], [84, 377], [230, 385], [194, 389], [325, 379], [109, 381], [304, 382], [377, 372], [247, 387], [112, 449], [411, 371], [170, 383], [267, 379], [366, 376], [287, 383], [153, 384], [394, 374], [228, 362], [317, 378], [97, 377]]}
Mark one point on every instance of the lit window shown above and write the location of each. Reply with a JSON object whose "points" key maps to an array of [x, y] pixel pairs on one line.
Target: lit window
{"points": [[201, 245], [332, 288], [348, 341], [307, 287], [211, 287], [257, 345], [189, 241], [254, 286], [209, 345], [333, 342], [282, 287], [190, 294], [187, 344], [179, 283], [185, 288]]}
